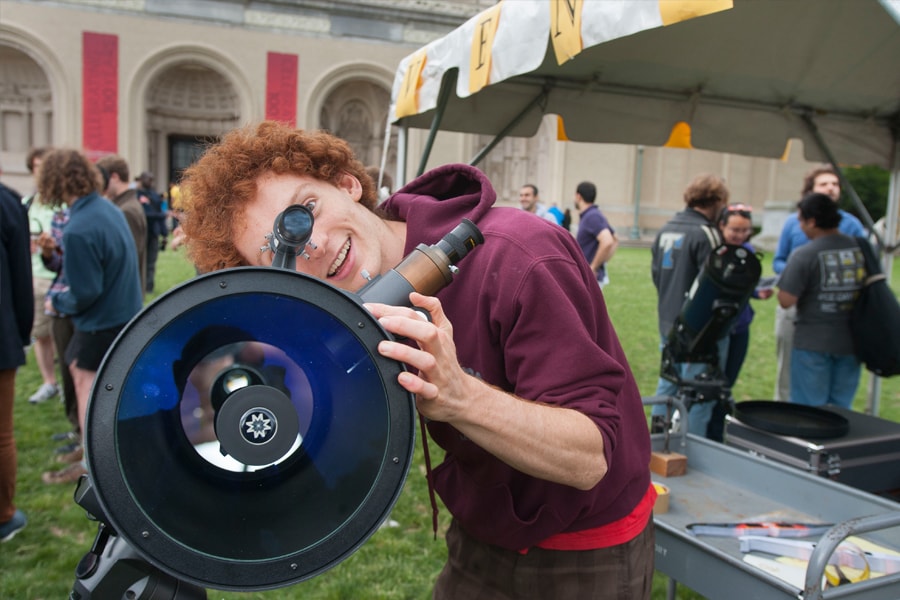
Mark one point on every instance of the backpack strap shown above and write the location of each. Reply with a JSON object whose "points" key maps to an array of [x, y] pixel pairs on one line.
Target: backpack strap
{"points": [[873, 265]]}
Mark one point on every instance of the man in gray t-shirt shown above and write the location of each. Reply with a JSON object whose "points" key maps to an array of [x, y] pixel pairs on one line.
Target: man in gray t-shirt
{"points": [[822, 279]]}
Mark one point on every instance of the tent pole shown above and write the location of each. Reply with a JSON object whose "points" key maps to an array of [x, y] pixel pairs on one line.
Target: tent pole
{"points": [[402, 150], [447, 86], [385, 146], [845, 185], [873, 404], [509, 126], [638, 176]]}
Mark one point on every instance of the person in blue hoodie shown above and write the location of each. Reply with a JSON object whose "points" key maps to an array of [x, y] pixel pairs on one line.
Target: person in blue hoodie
{"points": [[102, 289], [545, 471]]}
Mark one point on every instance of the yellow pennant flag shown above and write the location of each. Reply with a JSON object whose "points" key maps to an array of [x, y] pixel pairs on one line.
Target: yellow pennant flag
{"points": [[787, 151], [561, 130], [408, 100], [565, 28], [482, 44], [675, 11], [680, 136]]}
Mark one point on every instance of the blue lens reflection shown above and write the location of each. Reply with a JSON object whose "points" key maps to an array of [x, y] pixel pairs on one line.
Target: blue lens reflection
{"points": [[334, 386]]}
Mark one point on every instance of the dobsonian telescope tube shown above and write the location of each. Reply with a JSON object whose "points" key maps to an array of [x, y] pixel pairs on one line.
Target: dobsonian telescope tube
{"points": [[718, 295]]}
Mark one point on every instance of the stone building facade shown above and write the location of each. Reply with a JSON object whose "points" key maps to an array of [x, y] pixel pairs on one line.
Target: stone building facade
{"points": [[155, 80]]}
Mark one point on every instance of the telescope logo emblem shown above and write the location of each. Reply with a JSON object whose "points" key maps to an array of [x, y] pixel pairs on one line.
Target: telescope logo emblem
{"points": [[259, 426]]}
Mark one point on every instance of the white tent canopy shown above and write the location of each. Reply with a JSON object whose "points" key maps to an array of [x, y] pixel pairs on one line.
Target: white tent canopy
{"points": [[746, 79]]}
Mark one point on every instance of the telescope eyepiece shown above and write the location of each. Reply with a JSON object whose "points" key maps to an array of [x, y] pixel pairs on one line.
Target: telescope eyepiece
{"points": [[294, 225], [462, 240], [291, 233]]}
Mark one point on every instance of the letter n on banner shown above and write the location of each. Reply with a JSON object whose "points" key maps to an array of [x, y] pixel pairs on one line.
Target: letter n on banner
{"points": [[99, 94], [565, 29], [281, 88]]}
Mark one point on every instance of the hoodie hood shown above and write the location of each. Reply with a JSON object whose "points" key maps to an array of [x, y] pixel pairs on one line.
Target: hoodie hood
{"points": [[445, 194]]}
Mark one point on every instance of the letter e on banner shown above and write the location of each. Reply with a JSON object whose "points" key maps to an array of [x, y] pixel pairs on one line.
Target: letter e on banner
{"points": [[565, 29], [408, 99], [482, 45]]}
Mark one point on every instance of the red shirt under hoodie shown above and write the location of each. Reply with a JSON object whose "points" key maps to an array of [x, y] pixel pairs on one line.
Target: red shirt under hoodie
{"points": [[530, 319]]}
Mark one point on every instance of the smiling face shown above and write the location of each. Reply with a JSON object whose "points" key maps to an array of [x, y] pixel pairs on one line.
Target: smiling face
{"points": [[736, 230], [527, 198], [347, 237]]}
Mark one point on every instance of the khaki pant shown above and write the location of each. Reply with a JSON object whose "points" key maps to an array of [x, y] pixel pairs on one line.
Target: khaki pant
{"points": [[784, 345]]}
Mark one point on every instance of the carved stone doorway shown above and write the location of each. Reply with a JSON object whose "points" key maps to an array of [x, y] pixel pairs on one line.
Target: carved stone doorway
{"points": [[188, 106], [26, 111]]}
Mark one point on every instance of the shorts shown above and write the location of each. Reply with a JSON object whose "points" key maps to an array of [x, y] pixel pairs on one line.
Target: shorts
{"points": [[87, 349], [41, 327]]}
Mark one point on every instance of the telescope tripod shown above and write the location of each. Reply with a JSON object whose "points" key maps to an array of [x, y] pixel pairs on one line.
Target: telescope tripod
{"points": [[112, 569]]}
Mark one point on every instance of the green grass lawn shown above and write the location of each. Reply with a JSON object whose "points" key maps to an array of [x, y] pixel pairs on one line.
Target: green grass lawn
{"points": [[398, 563]]}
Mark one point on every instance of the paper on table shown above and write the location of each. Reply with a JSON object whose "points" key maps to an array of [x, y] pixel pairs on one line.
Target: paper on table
{"points": [[794, 575]]}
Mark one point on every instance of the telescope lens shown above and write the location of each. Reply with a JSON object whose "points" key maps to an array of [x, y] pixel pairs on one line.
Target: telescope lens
{"points": [[249, 439]]}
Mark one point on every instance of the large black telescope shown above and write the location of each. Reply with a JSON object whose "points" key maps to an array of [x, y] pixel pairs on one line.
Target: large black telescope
{"points": [[243, 432], [717, 297]]}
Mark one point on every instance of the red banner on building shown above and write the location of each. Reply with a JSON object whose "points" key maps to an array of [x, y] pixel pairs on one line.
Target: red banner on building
{"points": [[281, 88], [100, 93]]}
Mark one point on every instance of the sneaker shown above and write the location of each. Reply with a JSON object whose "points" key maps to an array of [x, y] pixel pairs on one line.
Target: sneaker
{"points": [[9, 529], [65, 436], [68, 448], [69, 457], [44, 393], [70, 474]]}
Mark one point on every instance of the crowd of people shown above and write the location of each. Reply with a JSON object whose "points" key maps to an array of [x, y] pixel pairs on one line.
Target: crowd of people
{"points": [[820, 272], [88, 231], [552, 437]]}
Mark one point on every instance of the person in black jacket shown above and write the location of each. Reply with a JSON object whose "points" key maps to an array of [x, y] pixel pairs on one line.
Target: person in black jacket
{"points": [[679, 252], [16, 319]]}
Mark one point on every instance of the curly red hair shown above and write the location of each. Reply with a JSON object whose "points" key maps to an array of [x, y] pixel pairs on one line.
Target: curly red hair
{"points": [[217, 188]]}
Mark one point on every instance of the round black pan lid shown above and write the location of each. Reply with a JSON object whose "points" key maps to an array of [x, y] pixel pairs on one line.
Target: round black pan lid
{"points": [[797, 420]]}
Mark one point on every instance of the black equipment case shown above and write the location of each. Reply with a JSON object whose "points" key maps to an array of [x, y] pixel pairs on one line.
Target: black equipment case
{"points": [[867, 457]]}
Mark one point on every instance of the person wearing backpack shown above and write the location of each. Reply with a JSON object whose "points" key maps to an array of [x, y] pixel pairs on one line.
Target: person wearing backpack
{"points": [[822, 279], [822, 179]]}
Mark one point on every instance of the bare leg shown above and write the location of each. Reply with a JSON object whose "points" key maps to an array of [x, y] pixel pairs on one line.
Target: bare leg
{"points": [[83, 382], [43, 355]]}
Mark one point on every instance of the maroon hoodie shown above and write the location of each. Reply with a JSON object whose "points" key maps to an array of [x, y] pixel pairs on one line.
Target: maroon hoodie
{"points": [[529, 318]]}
